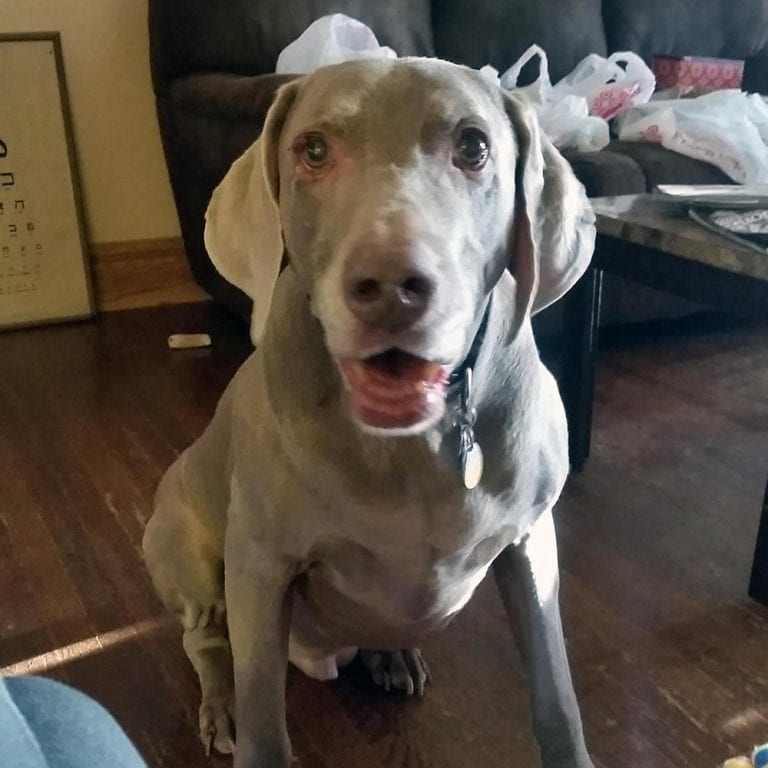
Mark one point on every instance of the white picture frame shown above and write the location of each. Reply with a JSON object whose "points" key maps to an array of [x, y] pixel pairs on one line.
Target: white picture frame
{"points": [[44, 266]]}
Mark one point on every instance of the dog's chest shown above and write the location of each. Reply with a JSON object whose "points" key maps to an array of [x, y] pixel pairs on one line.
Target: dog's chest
{"points": [[411, 567]]}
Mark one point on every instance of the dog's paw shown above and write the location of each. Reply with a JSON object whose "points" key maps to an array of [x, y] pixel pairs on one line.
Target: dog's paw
{"points": [[216, 727], [399, 670]]}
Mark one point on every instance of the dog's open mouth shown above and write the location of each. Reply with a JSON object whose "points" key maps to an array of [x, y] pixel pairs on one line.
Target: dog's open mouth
{"points": [[395, 389]]}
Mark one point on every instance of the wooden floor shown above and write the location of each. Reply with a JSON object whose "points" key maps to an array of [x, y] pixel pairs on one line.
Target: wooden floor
{"points": [[670, 657]]}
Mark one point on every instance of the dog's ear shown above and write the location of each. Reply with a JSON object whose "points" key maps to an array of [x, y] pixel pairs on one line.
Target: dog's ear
{"points": [[243, 232], [553, 233]]}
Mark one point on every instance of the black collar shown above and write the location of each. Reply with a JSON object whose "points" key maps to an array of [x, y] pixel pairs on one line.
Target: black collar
{"points": [[456, 379]]}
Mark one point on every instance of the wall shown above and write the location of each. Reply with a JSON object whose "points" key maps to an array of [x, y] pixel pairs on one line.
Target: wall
{"points": [[106, 59]]}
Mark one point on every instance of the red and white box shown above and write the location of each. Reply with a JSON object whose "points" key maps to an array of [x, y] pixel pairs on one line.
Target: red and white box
{"points": [[694, 75]]}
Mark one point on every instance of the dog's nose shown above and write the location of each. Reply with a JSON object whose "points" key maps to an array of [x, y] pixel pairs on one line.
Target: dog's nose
{"points": [[388, 297]]}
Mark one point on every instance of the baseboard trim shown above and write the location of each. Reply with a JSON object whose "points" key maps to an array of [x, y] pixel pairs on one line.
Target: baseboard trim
{"points": [[142, 273]]}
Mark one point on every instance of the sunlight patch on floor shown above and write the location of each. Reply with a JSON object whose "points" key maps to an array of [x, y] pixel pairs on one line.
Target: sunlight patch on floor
{"points": [[79, 650]]}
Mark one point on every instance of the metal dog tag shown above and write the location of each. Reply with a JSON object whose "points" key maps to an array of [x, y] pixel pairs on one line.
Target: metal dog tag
{"points": [[470, 453], [472, 466]]}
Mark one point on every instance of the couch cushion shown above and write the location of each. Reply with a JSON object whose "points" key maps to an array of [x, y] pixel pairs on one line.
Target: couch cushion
{"points": [[607, 173], [687, 27], [246, 36], [756, 74], [661, 166], [497, 32]]}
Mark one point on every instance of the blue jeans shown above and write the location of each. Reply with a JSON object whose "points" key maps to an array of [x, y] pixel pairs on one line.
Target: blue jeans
{"points": [[44, 724]]}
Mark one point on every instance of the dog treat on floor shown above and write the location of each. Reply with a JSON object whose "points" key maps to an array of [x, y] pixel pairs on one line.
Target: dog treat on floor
{"points": [[189, 340]]}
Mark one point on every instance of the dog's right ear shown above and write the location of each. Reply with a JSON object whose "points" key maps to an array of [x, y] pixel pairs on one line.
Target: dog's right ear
{"points": [[243, 232], [554, 226]]}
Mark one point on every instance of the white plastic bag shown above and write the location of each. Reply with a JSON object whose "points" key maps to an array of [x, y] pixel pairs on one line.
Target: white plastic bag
{"points": [[574, 111], [331, 40], [609, 87], [726, 128], [565, 119], [540, 90]]}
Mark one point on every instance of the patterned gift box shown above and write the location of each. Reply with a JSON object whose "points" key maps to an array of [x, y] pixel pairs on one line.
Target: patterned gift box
{"points": [[693, 75]]}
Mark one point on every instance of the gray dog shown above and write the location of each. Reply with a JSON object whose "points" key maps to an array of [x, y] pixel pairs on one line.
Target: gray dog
{"points": [[339, 500]]}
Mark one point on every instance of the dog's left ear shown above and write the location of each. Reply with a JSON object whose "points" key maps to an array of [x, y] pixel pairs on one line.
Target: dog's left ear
{"points": [[553, 232], [243, 231]]}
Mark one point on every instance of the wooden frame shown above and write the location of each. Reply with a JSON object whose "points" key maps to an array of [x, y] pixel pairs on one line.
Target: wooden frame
{"points": [[44, 265]]}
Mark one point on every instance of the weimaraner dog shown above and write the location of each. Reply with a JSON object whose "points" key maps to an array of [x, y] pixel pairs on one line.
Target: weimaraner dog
{"points": [[339, 501]]}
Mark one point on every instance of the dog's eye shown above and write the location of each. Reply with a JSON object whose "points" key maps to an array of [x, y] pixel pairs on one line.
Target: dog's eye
{"points": [[472, 150], [315, 151]]}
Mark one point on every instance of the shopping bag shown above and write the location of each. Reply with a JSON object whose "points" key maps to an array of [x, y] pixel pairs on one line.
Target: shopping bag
{"points": [[331, 40], [728, 129]]}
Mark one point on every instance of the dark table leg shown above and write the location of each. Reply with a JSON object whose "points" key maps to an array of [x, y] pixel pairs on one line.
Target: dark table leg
{"points": [[581, 312], [758, 584]]}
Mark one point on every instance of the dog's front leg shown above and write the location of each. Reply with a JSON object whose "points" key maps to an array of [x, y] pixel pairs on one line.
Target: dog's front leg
{"points": [[258, 592], [528, 579]]}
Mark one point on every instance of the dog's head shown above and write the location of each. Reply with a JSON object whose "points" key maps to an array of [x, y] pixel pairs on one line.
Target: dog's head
{"points": [[400, 191]]}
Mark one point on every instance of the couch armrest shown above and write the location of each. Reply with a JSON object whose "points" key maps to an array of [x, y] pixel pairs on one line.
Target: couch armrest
{"points": [[227, 96], [206, 122]]}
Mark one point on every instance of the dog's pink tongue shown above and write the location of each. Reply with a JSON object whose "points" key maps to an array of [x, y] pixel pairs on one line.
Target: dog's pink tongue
{"points": [[395, 389]]}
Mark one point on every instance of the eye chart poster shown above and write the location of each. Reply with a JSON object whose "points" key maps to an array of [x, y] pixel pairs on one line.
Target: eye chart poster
{"points": [[43, 265]]}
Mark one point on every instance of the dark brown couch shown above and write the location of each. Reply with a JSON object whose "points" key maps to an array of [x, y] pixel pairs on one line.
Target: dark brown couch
{"points": [[212, 62]]}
